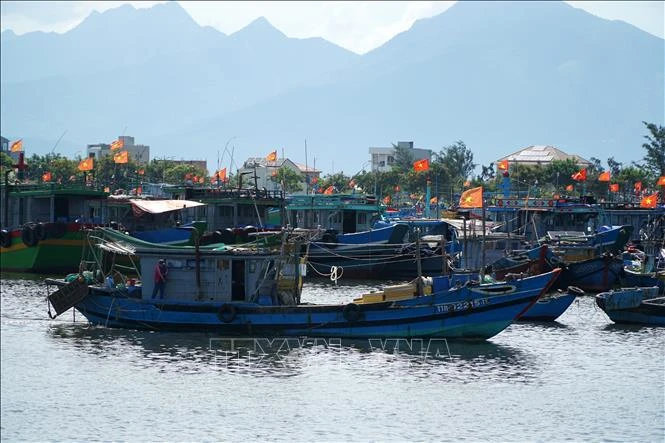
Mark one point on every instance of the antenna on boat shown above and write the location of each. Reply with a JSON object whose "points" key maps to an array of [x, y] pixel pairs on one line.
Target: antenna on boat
{"points": [[56, 143]]}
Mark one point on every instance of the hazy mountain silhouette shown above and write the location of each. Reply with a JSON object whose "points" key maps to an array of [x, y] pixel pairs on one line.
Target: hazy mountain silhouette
{"points": [[499, 76]]}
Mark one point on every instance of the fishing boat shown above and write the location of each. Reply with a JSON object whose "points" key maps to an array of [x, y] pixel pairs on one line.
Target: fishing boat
{"points": [[357, 242], [256, 292], [633, 306], [551, 306], [43, 224], [46, 223], [592, 275]]}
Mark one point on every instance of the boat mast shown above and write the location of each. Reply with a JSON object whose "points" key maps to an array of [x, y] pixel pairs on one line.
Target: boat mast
{"points": [[482, 267]]}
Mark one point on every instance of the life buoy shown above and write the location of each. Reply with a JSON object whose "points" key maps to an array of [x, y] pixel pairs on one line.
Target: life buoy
{"points": [[40, 231], [351, 312], [28, 236], [227, 313], [575, 290], [5, 238]]}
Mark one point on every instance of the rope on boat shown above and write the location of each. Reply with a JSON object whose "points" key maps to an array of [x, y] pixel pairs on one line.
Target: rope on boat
{"points": [[109, 313], [336, 272], [333, 274]]}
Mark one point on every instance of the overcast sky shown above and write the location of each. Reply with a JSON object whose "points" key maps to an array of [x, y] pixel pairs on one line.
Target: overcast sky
{"points": [[357, 26]]}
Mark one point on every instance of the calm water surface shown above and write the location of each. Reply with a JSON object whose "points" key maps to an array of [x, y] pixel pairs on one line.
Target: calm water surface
{"points": [[580, 378]]}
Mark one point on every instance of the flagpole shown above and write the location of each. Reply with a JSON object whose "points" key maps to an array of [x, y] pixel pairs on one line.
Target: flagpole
{"points": [[306, 176], [482, 268]]}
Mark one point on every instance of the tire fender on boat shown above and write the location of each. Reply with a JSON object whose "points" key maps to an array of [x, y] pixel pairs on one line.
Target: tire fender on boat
{"points": [[227, 313], [5, 238], [29, 236], [330, 239], [40, 231], [351, 312]]}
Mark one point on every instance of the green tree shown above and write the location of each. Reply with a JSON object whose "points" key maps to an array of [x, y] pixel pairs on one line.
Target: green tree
{"points": [[403, 158], [456, 164], [487, 173], [6, 163], [614, 166], [290, 180], [654, 159], [177, 173]]}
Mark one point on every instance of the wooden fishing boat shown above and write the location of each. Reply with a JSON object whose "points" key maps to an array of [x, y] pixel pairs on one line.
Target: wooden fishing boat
{"points": [[551, 306], [256, 292], [633, 306]]}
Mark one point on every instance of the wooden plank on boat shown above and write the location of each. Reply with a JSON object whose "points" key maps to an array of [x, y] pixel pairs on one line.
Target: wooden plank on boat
{"points": [[68, 296]]}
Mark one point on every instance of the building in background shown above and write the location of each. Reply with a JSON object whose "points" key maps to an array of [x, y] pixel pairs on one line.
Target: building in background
{"points": [[139, 154], [258, 171], [383, 158], [542, 155], [5, 144]]}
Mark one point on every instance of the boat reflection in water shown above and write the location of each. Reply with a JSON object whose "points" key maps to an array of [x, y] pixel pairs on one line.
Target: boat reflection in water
{"points": [[291, 356]]}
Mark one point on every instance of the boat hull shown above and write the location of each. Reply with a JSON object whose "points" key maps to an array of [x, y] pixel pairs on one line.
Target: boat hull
{"points": [[593, 275], [549, 308], [463, 312], [643, 280], [51, 255], [633, 306]]}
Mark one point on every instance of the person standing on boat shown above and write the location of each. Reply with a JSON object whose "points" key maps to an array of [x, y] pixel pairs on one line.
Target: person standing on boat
{"points": [[161, 271]]}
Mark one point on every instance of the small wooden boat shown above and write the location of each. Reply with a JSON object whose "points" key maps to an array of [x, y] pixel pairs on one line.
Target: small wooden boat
{"points": [[633, 305], [550, 306]]}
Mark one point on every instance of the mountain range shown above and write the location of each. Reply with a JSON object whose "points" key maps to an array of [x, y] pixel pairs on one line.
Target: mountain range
{"points": [[499, 76]]}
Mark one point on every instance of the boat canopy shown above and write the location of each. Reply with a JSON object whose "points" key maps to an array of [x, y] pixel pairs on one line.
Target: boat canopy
{"points": [[161, 206]]}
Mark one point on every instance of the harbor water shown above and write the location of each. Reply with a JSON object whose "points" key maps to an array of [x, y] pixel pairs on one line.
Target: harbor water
{"points": [[579, 378]]}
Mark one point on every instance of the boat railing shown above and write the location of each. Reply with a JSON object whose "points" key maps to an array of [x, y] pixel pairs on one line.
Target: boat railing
{"points": [[234, 193]]}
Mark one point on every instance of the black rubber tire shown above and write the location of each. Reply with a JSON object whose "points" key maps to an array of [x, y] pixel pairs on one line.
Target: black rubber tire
{"points": [[227, 236], [352, 312], [329, 239], [40, 231], [227, 313], [5, 238], [29, 236]]}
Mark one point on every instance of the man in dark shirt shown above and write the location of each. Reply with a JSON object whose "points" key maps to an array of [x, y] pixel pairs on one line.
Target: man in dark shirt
{"points": [[161, 271]]}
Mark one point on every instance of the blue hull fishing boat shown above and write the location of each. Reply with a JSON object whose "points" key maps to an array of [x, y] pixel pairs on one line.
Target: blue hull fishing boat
{"points": [[551, 306], [243, 292], [633, 306], [592, 275]]}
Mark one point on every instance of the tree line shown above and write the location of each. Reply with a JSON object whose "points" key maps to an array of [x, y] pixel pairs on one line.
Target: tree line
{"points": [[450, 172]]}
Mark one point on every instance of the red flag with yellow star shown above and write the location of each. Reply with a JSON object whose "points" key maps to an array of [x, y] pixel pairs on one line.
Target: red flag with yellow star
{"points": [[649, 201], [473, 198], [421, 165], [579, 176], [86, 164]]}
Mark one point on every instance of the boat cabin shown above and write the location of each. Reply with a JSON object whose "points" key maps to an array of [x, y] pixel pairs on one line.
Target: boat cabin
{"points": [[233, 207], [341, 213], [50, 203], [234, 276]]}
